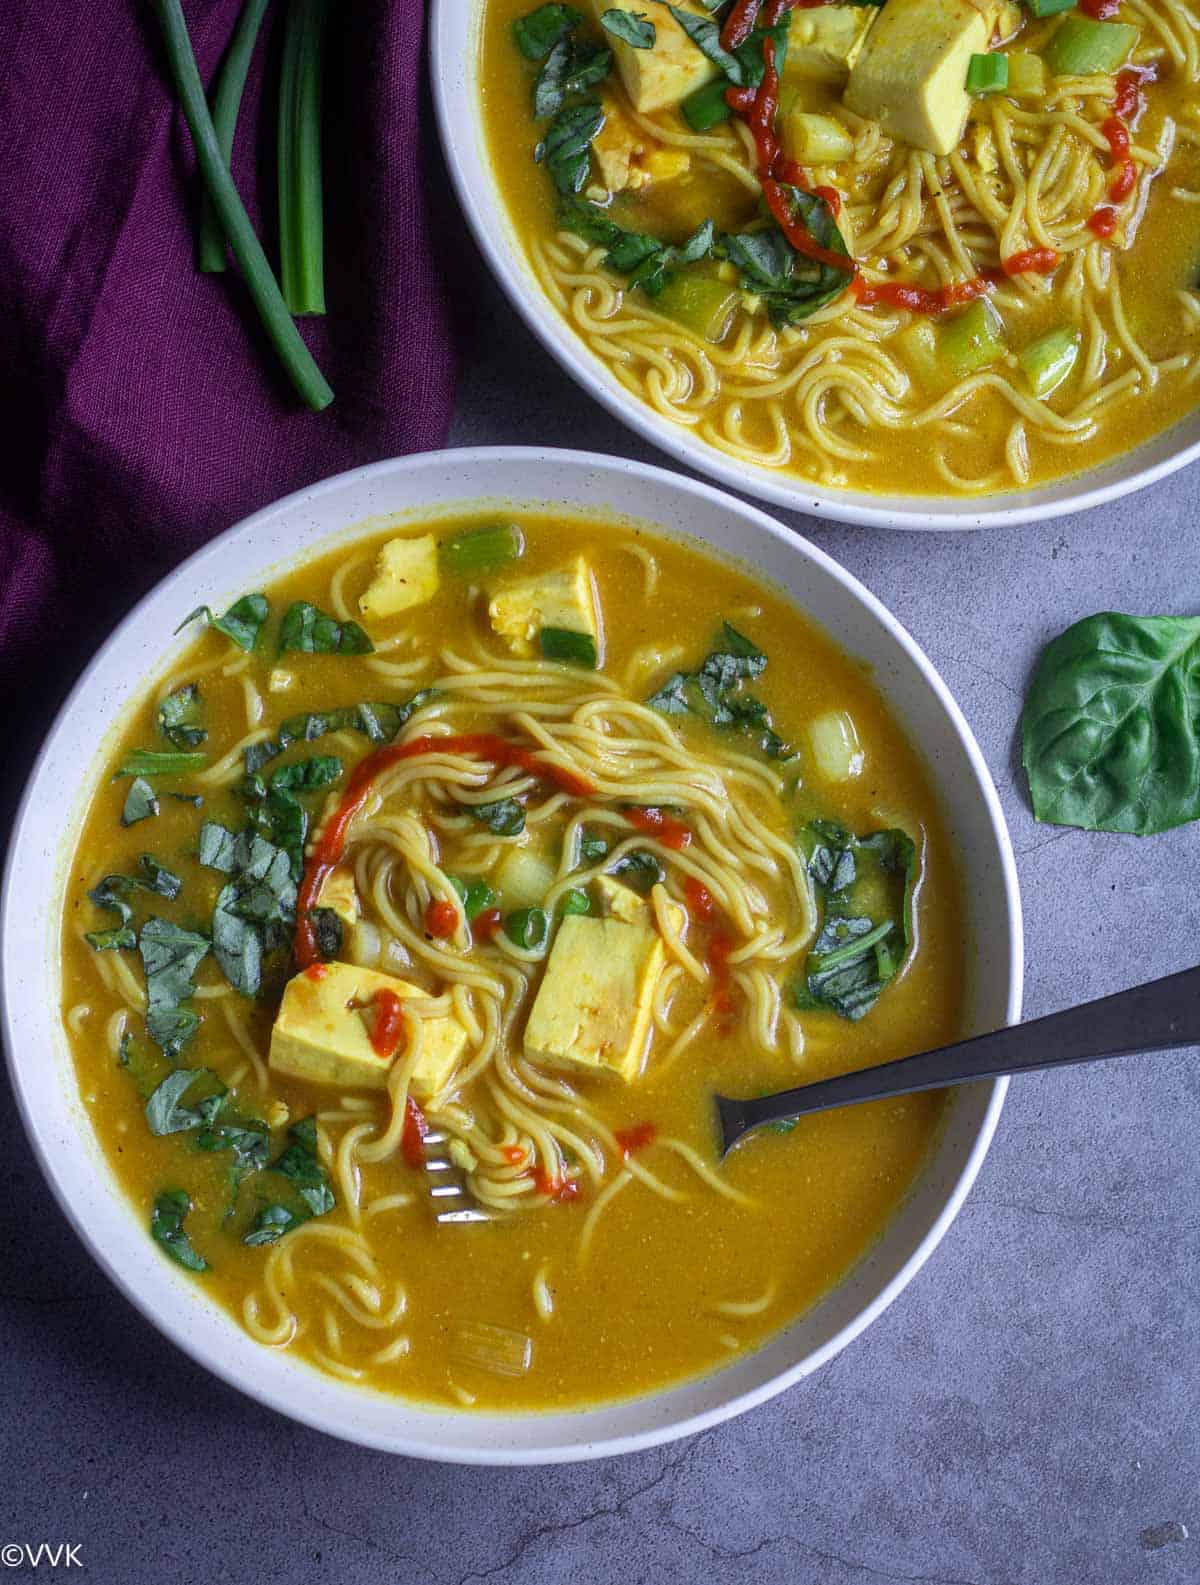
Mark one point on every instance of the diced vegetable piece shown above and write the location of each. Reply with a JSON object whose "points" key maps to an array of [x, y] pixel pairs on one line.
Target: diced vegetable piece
{"points": [[575, 901], [819, 140], [1049, 8], [497, 1349], [322, 1032], [1026, 75], [1081, 47], [561, 598], [671, 70], [971, 340], [912, 72], [836, 751], [987, 74], [824, 41], [481, 549], [594, 1004], [706, 108], [1048, 361], [919, 341], [524, 876], [528, 928], [405, 574], [573, 649], [699, 303]]}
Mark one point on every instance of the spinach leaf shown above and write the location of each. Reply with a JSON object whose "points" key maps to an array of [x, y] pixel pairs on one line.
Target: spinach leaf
{"points": [[170, 956], [566, 148], [639, 869], [647, 261], [791, 285], [1111, 727], [121, 939], [866, 885], [180, 715], [318, 770], [243, 622], [538, 32], [140, 802], [166, 1112], [714, 692], [311, 631], [506, 817], [156, 762], [631, 27], [167, 1230], [303, 1184]]}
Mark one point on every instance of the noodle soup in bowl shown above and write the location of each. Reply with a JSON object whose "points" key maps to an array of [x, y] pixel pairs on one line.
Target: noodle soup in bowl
{"points": [[417, 897], [976, 236]]}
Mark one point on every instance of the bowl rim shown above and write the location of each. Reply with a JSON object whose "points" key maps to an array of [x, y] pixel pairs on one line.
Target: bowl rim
{"points": [[452, 32], [483, 1451]]}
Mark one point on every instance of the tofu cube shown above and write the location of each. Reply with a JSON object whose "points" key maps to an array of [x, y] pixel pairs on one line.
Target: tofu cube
{"points": [[519, 611], [664, 75], [622, 902], [593, 1008], [406, 574], [824, 42], [322, 1033], [340, 895], [911, 75]]}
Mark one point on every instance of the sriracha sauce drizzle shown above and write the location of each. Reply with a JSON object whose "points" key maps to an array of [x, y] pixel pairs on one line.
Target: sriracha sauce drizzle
{"points": [[654, 822], [388, 1029], [483, 745], [1127, 107]]}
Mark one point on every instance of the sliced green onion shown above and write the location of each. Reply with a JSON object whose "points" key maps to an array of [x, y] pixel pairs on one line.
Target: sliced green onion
{"points": [[155, 762], [227, 101], [576, 901], [301, 217], [1048, 361], [527, 927], [706, 107], [301, 369], [1081, 47], [987, 74], [1049, 8], [576, 649], [482, 549], [971, 340], [475, 896]]}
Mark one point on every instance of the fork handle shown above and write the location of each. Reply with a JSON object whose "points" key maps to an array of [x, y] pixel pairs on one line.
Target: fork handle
{"points": [[1154, 1017]]}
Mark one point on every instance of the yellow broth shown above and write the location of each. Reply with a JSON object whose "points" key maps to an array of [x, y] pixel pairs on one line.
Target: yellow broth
{"points": [[643, 1307]]}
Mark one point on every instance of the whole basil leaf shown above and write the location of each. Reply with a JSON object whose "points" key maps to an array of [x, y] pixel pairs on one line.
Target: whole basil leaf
{"points": [[311, 631], [1111, 726], [166, 1112], [631, 27], [242, 622]]}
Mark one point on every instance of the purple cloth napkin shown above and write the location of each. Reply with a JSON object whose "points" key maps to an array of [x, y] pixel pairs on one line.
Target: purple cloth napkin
{"points": [[141, 408]]}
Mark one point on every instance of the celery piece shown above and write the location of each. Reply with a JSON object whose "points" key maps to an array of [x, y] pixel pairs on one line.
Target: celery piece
{"points": [[1026, 75], [481, 549], [497, 1349], [987, 74], [572, 648], [971, 340], [1048, 361], [706, 107], [699, 303], [920, 344], [1081, 47]]}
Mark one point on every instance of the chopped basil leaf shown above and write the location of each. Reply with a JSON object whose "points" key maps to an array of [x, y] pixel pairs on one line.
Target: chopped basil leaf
{"points": [[303, 1186], [170, 956], [566, 148], [158, 878], [329, 932], [538, 32], [166, 1112], [140, 802], [714, 693], [318, 770], [631, 27], [167, 1230], [592, 848], [254, 913], [114, 891], [120, 939], [506, 817], [180, 715], [644, 259], [380, 722], [153, 762], [564, 644], [195, 799], [639, 869], [242, 622], [313, 632], [248, 1140], [791, 285]]}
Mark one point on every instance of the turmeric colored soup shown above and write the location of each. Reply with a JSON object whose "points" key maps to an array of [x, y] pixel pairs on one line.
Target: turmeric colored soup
{"points": [[1056, 278], [617, 1254]]}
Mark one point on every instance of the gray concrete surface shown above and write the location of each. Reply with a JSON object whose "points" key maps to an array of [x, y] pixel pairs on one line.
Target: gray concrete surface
{"points": [[1026, 1413]]}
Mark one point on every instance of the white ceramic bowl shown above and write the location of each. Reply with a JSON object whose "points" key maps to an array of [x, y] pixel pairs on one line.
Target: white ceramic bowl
{"points": [[48, 822], [455, 59]]}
